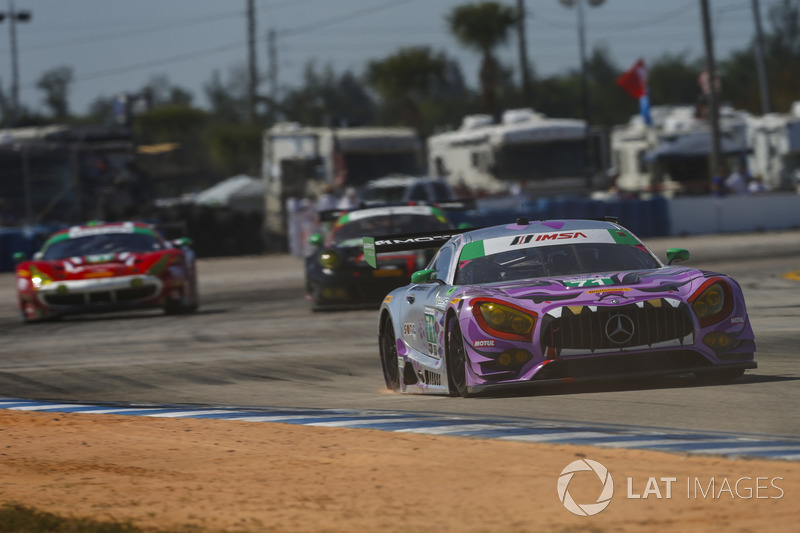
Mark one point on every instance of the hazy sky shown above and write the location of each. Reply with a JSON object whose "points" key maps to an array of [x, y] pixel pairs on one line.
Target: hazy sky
{"points": [[116, 46]]}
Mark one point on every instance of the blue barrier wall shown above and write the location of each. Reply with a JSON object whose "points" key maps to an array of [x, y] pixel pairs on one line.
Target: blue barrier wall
{"points": [[646, 218], [28, 240]]}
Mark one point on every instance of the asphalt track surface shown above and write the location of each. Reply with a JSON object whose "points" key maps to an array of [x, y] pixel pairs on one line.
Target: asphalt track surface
{"points": [[256, 342]]}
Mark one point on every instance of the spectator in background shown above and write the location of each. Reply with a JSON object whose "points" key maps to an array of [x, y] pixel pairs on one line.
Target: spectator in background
{"points": [[349, 200], [736, 183], [327, 200], [756, 185], [718, 182]]}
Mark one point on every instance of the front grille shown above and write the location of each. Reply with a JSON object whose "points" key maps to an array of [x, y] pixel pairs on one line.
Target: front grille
{"points": [[628, 364], [100, 297], [138, 293], [64, 299], [580, 328], [103, 297]]}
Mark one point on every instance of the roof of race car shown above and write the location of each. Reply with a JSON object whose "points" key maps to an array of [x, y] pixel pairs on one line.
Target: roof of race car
{"points": [[538, 226], [391, 210], [487, 241], [101, 229]]}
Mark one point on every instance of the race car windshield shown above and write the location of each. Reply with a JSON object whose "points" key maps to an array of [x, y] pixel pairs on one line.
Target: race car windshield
{"points": [[387, 225], [102, 244], [559, 260]]}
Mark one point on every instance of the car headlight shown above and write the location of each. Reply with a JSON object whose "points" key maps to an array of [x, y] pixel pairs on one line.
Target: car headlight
{"points": [[329, 259], [503, 320], [712, 302]]}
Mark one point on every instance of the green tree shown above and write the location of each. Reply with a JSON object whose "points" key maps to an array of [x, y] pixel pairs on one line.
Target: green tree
{"points": [[782, 58], [404, 79], [234, 148], [327, 98], [170, 123], [484, 26], [228, 98], [672, 79], [159, 91], [55, 85]]}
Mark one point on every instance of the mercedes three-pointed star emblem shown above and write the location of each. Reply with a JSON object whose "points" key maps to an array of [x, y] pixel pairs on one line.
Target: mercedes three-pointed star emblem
{"points": [[619, 329]]}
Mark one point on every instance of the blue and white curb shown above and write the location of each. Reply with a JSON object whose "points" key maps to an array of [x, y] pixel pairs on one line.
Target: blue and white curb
{"points": [[542, 431]]}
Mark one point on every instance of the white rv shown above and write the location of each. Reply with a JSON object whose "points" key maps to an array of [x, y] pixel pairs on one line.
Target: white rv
{"points": [[299, 161], [775, 143], [672, 155], [527, 150]]}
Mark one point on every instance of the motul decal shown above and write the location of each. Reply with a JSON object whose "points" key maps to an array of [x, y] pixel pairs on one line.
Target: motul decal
{"points": [[485, 343], [737, 320]]}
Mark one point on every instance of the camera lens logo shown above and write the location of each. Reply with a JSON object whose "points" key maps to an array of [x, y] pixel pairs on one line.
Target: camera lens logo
{"points": [[585, 509]]}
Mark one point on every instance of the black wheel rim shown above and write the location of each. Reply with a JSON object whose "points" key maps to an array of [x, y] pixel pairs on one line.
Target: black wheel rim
{"points": [[389, 353]]}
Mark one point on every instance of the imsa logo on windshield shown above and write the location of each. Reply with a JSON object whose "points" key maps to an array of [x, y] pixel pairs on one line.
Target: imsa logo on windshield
{"points": [[525, 239]]}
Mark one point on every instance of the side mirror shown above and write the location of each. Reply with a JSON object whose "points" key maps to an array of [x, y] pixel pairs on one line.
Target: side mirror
{"points": [[183, 242], [315, 240], [423, 276], [19, 257], [676, 255]]}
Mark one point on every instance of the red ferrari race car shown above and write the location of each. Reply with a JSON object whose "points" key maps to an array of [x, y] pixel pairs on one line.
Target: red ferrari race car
{"points": [[106, 267]]}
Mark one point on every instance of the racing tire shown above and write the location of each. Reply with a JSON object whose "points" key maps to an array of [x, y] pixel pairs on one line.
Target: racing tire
{"points": [[456, 360], [388, 348], [715, 377]]}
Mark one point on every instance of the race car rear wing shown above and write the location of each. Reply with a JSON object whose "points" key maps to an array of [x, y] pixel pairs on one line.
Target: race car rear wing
{"points": [[406, 241], [465, 204]]}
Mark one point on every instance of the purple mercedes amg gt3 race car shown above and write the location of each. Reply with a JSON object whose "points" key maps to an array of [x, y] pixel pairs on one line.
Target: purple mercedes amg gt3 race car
{"points": [[554, 301]]}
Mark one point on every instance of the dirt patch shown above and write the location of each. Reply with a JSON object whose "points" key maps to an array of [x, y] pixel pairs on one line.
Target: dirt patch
{"points": [[227, 475]]}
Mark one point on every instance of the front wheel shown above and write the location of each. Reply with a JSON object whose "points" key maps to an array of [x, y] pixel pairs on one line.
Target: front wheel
{"points": [[388, 347], [456, 358]]}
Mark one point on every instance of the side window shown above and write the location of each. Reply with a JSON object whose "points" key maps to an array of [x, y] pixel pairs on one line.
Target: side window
{"points": [[441, 192], [419, 193], [441, 263]]}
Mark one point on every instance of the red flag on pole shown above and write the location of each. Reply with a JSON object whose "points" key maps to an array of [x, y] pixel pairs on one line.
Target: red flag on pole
{"points": [[634, 80]]}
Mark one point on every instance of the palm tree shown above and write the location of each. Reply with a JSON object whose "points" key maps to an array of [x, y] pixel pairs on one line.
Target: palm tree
{"points": [[483, 26]]}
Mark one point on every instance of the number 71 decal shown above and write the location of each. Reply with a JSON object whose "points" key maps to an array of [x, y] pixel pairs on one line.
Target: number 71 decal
{"points": [[588, 282]]}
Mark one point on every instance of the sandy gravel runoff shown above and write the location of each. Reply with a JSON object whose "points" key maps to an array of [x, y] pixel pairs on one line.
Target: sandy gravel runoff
{"points": [[218, 475]]}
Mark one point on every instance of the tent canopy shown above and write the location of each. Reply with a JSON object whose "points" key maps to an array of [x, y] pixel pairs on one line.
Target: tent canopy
{"points": [[240, 193], [691, 145]]}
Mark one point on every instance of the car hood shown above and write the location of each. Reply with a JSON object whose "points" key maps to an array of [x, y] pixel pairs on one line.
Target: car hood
{"points": [[594, 288], [99, 266]]}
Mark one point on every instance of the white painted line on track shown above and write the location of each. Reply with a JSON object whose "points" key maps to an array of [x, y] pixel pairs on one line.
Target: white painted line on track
{"points": [[661, 442], [347, 423], [750, 449], [444, 430], [275, 418], [555, 436], [183, 414], [46, 407]]}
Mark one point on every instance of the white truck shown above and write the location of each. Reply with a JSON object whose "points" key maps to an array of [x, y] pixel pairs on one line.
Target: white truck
{"points": [[526, 150], [299, 162]]}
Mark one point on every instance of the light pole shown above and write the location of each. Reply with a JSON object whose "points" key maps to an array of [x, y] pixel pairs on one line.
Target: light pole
{"points": [[584, 78], [14, 16]]}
